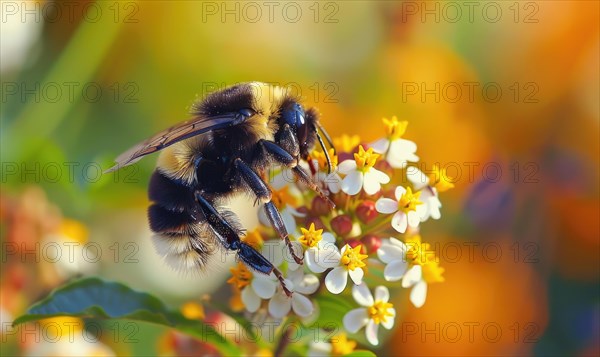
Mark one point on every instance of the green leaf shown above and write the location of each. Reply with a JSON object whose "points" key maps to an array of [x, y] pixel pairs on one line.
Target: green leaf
{"points": [[96, 298]]}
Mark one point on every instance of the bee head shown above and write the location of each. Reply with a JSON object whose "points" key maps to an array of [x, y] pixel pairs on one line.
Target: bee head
{"points": [[293, 114]]}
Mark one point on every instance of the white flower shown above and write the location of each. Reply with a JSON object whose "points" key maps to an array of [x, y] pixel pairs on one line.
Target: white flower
{"points": [[284, 194], [300, 284], [375, 311], [404, 206], [349, 263], [429, 194], [321, 252], [397, 151], [360, 173], [393, 253], [330, 181], [414, 278]]}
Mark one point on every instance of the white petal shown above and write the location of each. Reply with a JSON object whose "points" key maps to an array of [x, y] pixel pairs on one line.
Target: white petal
{"points": [[302, 305], [413, 219], [250, 299], [386, 205], [382, 293], [274, 251], [412, 276], [400, 221], [371, 183], [309, 284], [399, 192], [280, 305], [380, 176], [371, 332], [417, 177], [388, 253], [334, 184], [397, 243], [312, 256], [336, 280], [356, 275], [288, 220], [320, 349], [352, 183], [329, 256], [389, 321], [380, 146], [263, 286], [355, 319], [327, 238], [346, 166], [362, 295], [395, 270], [418, 294]]}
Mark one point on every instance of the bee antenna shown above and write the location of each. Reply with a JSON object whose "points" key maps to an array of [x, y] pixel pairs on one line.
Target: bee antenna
{"points": [[327, 137], [329, 166]]}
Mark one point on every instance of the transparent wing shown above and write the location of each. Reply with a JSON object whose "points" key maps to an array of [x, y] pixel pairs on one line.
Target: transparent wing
{"points": [[175, 134]]}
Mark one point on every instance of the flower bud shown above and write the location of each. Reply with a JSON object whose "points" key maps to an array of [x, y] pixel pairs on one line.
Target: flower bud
{"points": [[341, 225], [320, 206], [366, 212], [316, 221], [371, 242]]}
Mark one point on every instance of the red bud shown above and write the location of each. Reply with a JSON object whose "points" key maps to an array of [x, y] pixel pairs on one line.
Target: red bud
{"points": [[320, 206], [371, 242], [366, 212], [342, 225]]}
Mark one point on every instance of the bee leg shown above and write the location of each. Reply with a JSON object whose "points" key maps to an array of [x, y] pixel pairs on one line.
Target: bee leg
{"points": [[262, 191], [287, 140], [231, 240], [303, 176]]}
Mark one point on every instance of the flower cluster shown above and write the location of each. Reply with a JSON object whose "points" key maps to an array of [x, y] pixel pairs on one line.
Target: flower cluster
{"points": [[381, 199]]}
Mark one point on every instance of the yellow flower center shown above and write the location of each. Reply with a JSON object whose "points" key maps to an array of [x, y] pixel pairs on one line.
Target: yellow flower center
{"points": [[409, 201], [282, 197], [432, 272], [394, 128], [352, 258], [311, 236], [380, 311], [193, 310], [365, 159], [346, 143], [241, 276], [341, 345], [74, 230], [439, 179], [322, 159], [419, 253]]}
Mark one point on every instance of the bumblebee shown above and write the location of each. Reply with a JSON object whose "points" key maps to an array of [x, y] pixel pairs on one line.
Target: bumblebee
{"points": [[233, 138]]}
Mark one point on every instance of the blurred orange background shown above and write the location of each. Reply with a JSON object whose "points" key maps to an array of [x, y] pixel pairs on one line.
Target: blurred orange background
{"points": [[509, 86]]}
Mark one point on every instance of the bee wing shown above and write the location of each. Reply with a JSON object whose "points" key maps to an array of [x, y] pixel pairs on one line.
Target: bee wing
{"points": [[175, 134]]}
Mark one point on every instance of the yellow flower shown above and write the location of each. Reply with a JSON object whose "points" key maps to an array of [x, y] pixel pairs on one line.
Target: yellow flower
{"points": [[241, 276], [346, 143], [432, 272], [322, 160], [311, 236], [254, 239], [419, 253], [380, 311], [341, 345], [409, 201], [365, 159], [74, 230], [282, 197], [193, 311], [394, 128], [352, 258], [439, 179]]}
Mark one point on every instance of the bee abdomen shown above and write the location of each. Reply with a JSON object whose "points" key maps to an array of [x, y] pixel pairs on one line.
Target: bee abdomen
{"points": [[170, 194], [180, 230]]}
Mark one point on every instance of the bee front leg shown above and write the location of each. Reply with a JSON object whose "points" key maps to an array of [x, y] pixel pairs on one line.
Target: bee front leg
{"points": [[231, 240], [263, 193]]}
